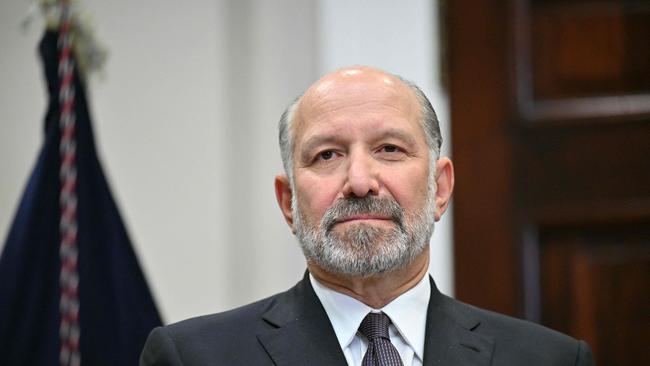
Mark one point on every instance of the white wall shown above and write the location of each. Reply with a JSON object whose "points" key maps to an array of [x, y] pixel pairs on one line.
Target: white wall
{"points": [[185, 121]]}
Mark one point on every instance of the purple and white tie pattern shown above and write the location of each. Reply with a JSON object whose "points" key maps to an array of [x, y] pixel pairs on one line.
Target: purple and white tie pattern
{"points": [[381, 351]]}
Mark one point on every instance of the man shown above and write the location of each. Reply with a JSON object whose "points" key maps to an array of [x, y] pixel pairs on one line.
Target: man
{"points": [[364, 185]]}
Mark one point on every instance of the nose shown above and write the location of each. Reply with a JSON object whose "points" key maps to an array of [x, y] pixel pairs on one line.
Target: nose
{"points": [[361, 177]]}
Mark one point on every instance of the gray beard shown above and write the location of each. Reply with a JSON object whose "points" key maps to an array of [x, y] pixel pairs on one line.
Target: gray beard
{"points": [[363, 250]]}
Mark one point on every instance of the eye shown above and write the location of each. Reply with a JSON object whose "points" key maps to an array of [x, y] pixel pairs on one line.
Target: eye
{"points": [[326, 155], [389, 148], [391, 152]]}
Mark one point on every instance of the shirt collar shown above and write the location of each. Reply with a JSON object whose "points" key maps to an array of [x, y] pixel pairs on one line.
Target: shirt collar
{"points": [[408, 312]]}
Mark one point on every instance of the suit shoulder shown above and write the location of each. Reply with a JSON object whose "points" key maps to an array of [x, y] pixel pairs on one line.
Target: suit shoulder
{"points": [[520, 341], [249, 315], [228, 337], [494, 323]]}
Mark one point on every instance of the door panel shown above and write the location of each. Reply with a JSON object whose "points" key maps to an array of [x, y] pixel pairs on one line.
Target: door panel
{"points": [[550, 109]]}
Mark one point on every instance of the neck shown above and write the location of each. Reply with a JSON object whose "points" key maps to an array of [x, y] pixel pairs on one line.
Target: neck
{"points": [[378, 290]]}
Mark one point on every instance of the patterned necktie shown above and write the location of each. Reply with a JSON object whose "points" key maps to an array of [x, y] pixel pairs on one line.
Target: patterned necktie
{"points": [[380, 351]]}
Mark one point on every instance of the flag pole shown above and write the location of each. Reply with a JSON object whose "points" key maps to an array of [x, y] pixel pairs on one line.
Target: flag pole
{"points": [[69, 330]]}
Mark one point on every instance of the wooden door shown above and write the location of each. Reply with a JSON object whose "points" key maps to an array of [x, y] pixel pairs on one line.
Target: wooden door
{"points": [[550, 115]]}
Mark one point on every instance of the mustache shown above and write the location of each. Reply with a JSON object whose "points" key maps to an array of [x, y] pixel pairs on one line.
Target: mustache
{"points": [[368, 205]]}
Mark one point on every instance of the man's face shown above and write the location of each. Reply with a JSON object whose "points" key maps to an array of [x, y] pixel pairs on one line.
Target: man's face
{"points": [[364, 195]]}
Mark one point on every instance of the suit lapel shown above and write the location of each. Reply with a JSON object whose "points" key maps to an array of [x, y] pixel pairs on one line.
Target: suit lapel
{"points": [[303, 334], [450, 338]]}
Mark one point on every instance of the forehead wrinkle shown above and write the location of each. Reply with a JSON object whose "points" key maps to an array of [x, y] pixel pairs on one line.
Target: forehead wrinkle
{"points": [[384, 120], [337, 107], [319, 111]]}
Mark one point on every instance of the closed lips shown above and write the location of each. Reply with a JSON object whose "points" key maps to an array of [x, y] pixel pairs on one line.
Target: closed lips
{"points": [[364, 217]]}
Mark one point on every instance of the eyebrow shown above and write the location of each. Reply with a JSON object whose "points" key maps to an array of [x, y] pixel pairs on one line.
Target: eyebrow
{"points": [[397, 134], [314, 142]]}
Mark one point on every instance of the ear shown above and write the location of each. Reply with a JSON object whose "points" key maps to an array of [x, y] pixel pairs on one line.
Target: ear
{"points": [[284, 194], [444, 185]]}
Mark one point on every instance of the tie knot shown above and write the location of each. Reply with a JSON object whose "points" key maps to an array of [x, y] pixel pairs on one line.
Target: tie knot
{"points": [[375, 325]]}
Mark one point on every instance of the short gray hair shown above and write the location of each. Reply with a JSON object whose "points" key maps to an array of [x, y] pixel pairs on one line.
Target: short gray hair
{"points": [[428, 120]]}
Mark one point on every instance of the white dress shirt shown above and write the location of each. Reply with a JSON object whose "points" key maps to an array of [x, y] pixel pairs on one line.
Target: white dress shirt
{"points": [[408, 313]]}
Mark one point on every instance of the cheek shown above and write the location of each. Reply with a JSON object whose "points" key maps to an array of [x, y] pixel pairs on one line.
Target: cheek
{"points": [[409, 189], [315, 196]]}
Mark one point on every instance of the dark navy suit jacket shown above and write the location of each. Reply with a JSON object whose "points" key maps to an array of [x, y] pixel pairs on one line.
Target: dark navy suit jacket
{"points": [[292, 328]]}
